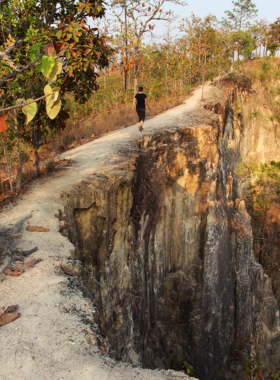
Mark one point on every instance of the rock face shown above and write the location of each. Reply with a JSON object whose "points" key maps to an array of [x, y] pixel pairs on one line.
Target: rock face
{"points": [[167, 251]]}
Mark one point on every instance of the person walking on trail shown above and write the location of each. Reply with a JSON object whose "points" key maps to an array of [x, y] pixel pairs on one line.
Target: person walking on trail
{"points": [[140, 100]]}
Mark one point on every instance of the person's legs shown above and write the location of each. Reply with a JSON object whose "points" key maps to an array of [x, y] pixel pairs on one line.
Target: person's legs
{"points": [[141, 114]]}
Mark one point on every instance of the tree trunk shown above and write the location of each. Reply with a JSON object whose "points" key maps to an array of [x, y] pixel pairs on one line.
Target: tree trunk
{"points": [[203, 78], [105, 79], [36, 143], [166, 69], [136, 84], [19, 168], [136, 78], [136, 70], [35, 160], [8, 163], [166, 78], [202, 89], [126, 47], [190, 71]]}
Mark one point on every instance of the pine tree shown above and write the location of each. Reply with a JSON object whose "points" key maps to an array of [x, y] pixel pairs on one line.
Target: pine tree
{"points": [[243, 11]]}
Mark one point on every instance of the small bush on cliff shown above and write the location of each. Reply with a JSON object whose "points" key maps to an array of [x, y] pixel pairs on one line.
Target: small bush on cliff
{"points": [[188, 368], [254, 367], [267, 75], [260, 185]]}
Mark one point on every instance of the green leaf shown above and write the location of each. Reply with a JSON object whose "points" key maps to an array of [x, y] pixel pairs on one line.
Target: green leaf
{"points": [[30, 110], [53, 96], [38, 68], [47, 90], [59, 34], [68, 55], [55, 71], [47, 65], [99, 8], [53, 111], [19, 101], [50, 98], [35, 51]]}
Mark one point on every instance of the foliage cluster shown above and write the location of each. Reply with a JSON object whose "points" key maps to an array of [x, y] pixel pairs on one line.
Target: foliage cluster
{"points": [[267, 74], [254, 367], [53, 39], [262, 196]]}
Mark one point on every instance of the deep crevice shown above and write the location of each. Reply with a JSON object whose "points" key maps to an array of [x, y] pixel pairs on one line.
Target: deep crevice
{"points": [[162, 241]]}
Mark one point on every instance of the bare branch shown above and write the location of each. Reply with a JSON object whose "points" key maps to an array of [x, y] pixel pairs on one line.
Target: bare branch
{"points": [[25, 104], [18, 71], [5, 55]]}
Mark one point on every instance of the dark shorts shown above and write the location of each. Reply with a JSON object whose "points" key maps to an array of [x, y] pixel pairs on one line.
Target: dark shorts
{"points": [[141, 114]]}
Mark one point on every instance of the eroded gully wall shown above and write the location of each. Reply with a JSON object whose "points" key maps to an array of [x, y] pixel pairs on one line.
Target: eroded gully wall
{"points": [[172, 254]]}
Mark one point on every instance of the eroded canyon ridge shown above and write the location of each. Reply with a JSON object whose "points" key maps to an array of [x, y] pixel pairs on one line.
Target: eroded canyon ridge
{"points": [[166, 245]]}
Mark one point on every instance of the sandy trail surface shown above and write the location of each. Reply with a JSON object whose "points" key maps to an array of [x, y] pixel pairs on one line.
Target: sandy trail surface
{"points": [[54, 338]]}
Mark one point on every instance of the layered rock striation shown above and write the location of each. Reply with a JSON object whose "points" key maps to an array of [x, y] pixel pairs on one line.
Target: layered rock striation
{"points": [[167, 253]]}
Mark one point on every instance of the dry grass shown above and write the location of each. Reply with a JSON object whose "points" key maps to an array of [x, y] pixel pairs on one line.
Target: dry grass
{"points": [[121, 116], [79, 130]]}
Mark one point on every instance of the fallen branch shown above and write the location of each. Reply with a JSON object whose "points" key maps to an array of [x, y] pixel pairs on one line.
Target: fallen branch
{"points": [[16, 229], [7, 243], [27, 253]]}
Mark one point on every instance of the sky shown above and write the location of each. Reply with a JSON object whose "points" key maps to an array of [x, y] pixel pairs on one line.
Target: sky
{"points": [[268, 9]]}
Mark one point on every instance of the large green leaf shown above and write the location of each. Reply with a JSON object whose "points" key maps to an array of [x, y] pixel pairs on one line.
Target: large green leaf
{"points": [[52, 111], [47, 65], [53, 95], [50, 98], [55, 71], [53, 102], [38, 68], [30, 110], [35, 51]]}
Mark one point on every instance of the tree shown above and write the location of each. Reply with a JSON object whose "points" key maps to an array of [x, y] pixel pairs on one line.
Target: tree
{"points": [[245, 42], [207, 47], [260, 32], [238, 18], [274, 37], [62, 29], [243, 11], [141, 17], [168, 39]]}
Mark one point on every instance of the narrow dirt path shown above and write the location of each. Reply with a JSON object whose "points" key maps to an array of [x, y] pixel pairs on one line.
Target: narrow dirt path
{"points": [[54, 339]]}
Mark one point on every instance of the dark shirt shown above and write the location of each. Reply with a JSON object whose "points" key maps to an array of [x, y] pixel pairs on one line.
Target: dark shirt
{"points": [[140, 100]]}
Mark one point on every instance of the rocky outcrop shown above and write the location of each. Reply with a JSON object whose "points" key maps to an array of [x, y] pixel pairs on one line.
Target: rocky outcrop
{"points": [[167, 251]]}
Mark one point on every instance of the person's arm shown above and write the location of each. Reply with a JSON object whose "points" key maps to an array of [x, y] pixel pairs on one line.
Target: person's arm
{"points": [[147, 104], [134, 103]]}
